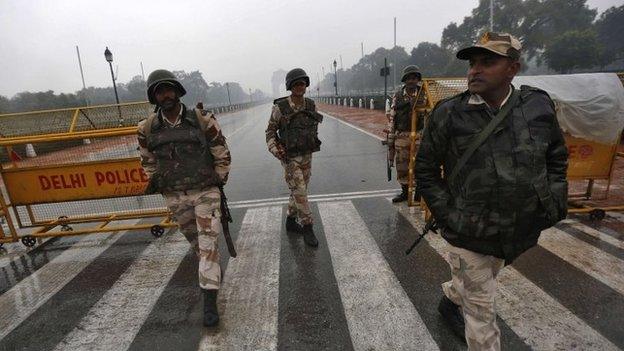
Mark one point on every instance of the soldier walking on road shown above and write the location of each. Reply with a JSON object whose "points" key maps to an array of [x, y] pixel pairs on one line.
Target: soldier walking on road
{"points": [[186, 157], [292, 137], [505, 162], [400, 125]]}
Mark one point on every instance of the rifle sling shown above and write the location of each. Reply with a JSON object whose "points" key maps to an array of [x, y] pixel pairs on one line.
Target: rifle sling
{"points": [[484, 134]]}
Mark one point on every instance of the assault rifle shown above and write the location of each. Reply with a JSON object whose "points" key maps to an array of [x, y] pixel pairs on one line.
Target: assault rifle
{"points": [[389, 157], [431, 225], [226, 219]]}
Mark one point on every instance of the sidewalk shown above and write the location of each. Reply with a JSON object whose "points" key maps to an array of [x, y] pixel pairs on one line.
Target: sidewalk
{"points": [[375, 121]]}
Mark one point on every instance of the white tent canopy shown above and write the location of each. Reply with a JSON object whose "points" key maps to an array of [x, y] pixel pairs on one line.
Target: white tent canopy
{"points": [[589, 106]]}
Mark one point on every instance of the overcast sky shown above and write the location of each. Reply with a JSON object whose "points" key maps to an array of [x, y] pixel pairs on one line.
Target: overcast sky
{"points": [[227, 40]]}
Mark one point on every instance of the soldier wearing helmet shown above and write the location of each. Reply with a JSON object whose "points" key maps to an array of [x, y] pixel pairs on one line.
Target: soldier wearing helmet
{"points": [[186, 158], [400, 124], [292, 137]]}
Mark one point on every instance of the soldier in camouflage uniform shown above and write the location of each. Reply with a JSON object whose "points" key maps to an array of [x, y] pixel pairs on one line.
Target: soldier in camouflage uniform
{"points": [[400, 125], [292, 137], [186, 157], [513, 186]]}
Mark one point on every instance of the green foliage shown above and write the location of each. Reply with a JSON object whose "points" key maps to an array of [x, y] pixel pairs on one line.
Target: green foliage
{"points": [[431, 58], [610, 29], [5, 104], [507, 18], [135, 90], [572, 50], [545, 20], [560, 33]]}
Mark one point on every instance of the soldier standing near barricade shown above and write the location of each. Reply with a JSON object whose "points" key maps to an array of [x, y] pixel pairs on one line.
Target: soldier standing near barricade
{"points": [[292, 137], [504, 181], [400, 125], [185, 155]]}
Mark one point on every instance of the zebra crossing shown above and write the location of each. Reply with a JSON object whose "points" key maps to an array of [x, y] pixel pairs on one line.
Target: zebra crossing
{"points": [[357, 291]]}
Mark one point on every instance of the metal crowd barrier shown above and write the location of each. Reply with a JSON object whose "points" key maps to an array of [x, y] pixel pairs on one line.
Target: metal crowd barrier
{"points": [[588, 161], [75, 166]]}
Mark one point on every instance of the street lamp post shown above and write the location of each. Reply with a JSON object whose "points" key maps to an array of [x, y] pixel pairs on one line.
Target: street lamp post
{"points": [[227, 86], [109, 58], [335, 77]]}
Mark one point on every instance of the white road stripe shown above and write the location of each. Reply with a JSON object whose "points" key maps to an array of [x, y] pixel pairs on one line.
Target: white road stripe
{"points": [[594, 232], [29, 294], [541, 321], [323, 199], [379, 313], [587, 258], [113, 322], [616, 215], [352, 126], [248, 300], [317, 196]]}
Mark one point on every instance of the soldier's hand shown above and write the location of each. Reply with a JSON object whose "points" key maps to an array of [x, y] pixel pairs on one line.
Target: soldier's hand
{"points": [[279, 153]]}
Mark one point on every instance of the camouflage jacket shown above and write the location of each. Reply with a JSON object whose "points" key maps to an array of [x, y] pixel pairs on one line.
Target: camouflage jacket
{"points": [[511, 188], [400, 115], [218, 157], [294, 128]]}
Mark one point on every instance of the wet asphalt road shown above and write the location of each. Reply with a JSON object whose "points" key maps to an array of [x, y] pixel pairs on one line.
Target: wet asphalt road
{"points": [[356, 291], [349, 161]]}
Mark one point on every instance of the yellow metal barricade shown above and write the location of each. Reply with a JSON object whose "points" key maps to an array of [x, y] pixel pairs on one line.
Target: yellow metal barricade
{"points": [[70, 166], [588, 160]]}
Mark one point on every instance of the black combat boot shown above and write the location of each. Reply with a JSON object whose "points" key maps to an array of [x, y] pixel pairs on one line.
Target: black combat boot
{"points": [[308, 236], [292, 225], [416, 196], [453, 317], [211, 315], [402, 196]]}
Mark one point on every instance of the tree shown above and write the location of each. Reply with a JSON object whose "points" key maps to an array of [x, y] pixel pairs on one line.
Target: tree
{"points": [[610, 30], [5, 104], [535, 22], [431, 59], [195, 86], [572, 50], [545, 20], [137, 89], [508, 18]]}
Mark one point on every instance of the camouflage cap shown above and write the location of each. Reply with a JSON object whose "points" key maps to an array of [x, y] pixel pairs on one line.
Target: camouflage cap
{"points": [[502, 44]]}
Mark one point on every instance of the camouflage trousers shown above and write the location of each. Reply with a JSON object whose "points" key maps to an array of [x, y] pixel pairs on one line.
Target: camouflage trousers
{"points": [[473, 287], [402, 158], [198, 214], [297, 171]]}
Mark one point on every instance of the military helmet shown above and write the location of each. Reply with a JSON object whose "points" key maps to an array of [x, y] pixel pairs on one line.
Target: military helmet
{"points": [[411, 69], [162, 76], [294, 75]]}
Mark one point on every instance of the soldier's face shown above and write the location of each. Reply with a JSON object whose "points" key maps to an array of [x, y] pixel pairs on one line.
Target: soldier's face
{"points": [[166, 96], [489, 72], [411, 81], [298, 88]]}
